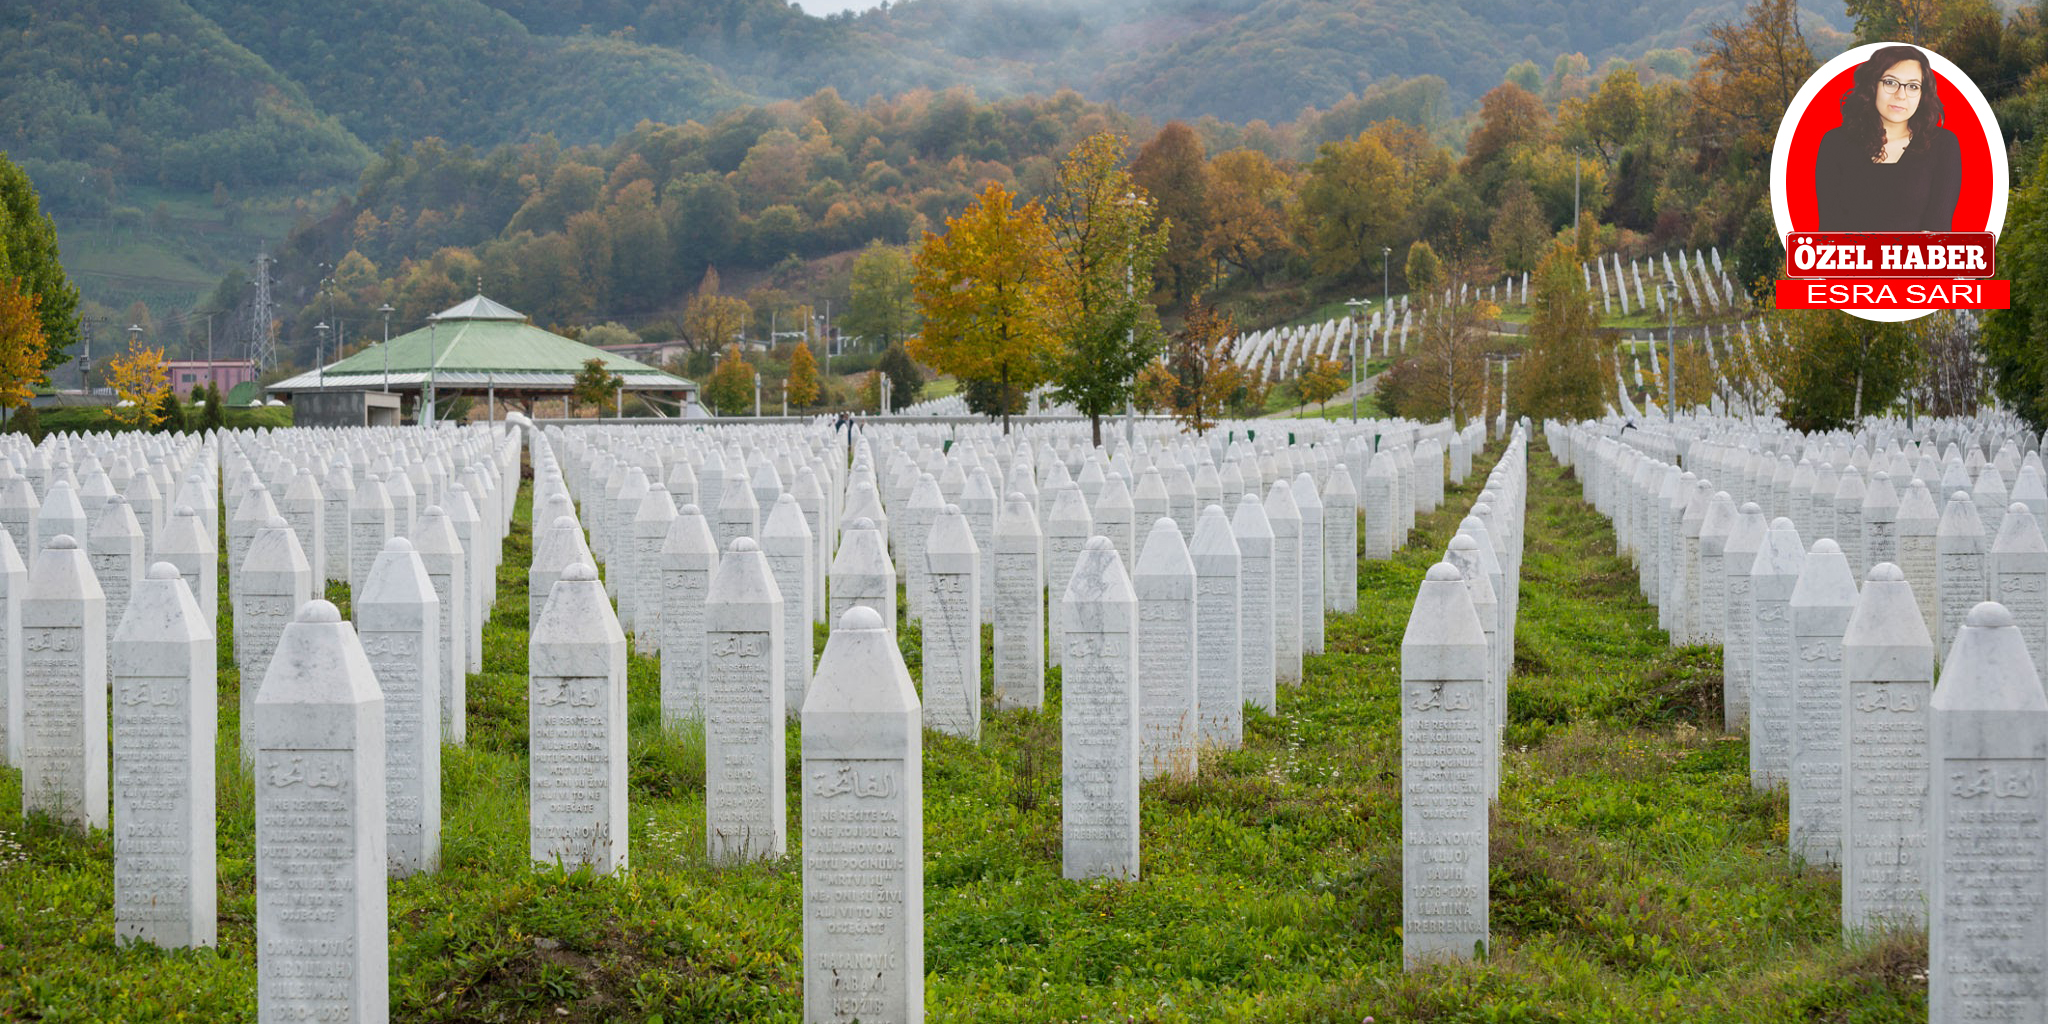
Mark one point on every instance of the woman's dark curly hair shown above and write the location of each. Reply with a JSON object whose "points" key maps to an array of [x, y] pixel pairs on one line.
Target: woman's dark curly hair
{"points": [[1859, 104]]}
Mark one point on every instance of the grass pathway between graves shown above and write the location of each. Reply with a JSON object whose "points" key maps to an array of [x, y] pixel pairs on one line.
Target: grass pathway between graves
{"points": [[1635, 876]]}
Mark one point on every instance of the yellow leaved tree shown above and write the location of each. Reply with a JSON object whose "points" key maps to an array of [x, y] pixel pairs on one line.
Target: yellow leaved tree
{"points": [[140, 382], [987, 289], [21, 343]]}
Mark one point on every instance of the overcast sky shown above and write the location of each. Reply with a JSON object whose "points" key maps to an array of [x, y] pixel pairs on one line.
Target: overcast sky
{"points": [[824, 7]]}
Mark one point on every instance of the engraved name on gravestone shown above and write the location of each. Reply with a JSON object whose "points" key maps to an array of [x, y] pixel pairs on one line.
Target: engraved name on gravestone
{"points": [[1888, 658], [1099, 719], [1444, 910], [576, 728], [744, 791]]}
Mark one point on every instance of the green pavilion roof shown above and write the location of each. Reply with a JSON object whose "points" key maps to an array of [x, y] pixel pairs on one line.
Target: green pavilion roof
{"points": [[478, 342]]}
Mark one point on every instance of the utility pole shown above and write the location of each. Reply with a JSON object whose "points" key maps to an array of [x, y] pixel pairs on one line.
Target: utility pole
{"points": [[387, 311], [1357, 328], [85, 326], [1670, 350]]}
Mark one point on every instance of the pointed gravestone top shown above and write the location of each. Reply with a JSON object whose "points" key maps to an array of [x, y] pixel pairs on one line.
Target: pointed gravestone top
{"points": [[1988, 668]]}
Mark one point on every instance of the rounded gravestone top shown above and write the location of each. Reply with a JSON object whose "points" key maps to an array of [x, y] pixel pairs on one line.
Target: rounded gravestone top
{"points": [[398, 544], [1885, 572], [64, 542], [742, 544], [581, 572], [276, 523], [1917, 482], [1464, 542], [2017, 506], [1881, 475], [1338, 467], [786, 498], [1960, 495], [1751, 508], [1826, 546], [1783, 524], [1482, 509], [950, 509], [1444, 572], [319, 610], [690, 509], [434, 510], [863, 523], [305, 471], [861, 617], [1099, 543], [1989, 615], [563, 523], [163, 571]]}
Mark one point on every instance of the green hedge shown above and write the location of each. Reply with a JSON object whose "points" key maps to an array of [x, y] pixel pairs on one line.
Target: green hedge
{"points": [[80, 419]]}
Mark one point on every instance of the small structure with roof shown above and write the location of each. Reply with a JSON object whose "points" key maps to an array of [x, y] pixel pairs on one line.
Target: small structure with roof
{"points": [[478, 348]]}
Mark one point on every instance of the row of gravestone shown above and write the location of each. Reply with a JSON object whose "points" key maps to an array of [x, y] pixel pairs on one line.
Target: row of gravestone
{"points": [[642, 480], [1933, 801], [1456, 656]]}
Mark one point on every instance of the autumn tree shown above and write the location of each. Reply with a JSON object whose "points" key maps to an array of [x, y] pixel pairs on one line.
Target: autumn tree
{"points": [[1519, 229], [1562, 375], [2012, 346], [906, 381], [1322, 377], [1840, 368], [28, 254], [595, 385], [1449, 356], [1106, 240], [883, 309], [1203, 360], [140, 381], [1173, 169], [987, 289], [711, 321], [1746, 80], [1352, 203], [21, 344], [802, 386], [1248, 198], [730, 391], [1423, 269]]}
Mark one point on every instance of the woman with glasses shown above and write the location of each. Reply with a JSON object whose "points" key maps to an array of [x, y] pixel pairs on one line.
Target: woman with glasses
{"points": [[1890, 166]]}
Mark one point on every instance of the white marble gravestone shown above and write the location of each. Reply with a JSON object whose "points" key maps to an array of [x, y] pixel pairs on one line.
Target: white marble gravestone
{"points": [[277, 581], [115, 552], [576, 729], [187, 545], [689, 558], [1219, 663], [1340, 541], [1444, 831], [862, 573], [434, 540], [13, 587], [1258, 676], [1019, 663], [64, 688], [1888, 658], [1821, 604], [322, 913], [863, 830], [1309, 503], [1917, 521], [398, 620], [1987, 822], [1962, 571], [744, 793], [2019, 577], [786, 541], [1738, 651], [952, 627], [1283, 517], [164, 723], [1099, 719], [1169, 720]]}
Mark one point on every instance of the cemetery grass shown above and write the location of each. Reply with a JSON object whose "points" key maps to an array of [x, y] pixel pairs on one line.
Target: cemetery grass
{"points": [[1634, 875]]}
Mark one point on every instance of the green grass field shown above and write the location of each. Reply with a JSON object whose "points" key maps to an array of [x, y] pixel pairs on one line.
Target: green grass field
{"points": [[1635, 875]]}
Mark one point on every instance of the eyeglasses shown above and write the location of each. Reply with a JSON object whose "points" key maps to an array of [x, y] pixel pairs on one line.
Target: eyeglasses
{"points": [[1893, 84]]}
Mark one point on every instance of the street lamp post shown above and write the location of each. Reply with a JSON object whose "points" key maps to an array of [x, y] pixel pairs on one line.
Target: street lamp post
{"points": [[320, 355], [1357, 328], [387, 311]]}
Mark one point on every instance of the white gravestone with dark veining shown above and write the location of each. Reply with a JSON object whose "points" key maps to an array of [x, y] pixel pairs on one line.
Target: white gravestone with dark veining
{"points": [[2019, 577], [322, 910], [277, 581], [1099, 719], [1444, 827], [1987, 894], [1888, 658], [434, 540], [398, 620], [64, 688], [576, 729], [1168, 701], [187, 545], [744, 792], [862, 573], [164, 722], [115, 552], [863, 831], [1822, 602], [1917, 521]]}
